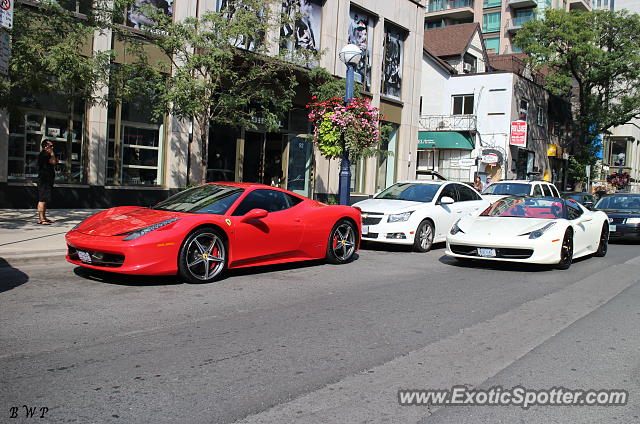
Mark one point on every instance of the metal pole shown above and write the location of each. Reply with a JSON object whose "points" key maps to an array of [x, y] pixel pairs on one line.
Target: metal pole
{"points": [[345, 165]]}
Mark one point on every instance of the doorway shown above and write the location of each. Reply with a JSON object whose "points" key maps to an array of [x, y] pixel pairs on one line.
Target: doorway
{"points": [[262, 161]]}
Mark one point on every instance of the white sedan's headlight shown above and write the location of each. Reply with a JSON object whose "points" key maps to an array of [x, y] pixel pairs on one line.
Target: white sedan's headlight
{"points": [[399, 217], [632, 221], [539, 232]]}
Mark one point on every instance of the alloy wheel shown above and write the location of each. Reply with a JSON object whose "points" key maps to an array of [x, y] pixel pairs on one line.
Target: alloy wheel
{"points": [[205, 256], [343, 241]]}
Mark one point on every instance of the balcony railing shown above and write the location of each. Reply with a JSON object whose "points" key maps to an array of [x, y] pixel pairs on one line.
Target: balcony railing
{"points": [[448, 122], [439, 5], [516, 23]]}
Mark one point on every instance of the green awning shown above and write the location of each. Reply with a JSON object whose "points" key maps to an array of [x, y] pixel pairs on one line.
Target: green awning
{"points": [[444, 140]]}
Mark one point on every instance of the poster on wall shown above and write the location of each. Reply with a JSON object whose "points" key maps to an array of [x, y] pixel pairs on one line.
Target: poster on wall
{"points": [[518, 134], [136, 17], [302, 31], [392, 63], [361, 34]]}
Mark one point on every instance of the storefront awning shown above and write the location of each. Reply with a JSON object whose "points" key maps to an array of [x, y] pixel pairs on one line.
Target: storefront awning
{"points": [[444, 140]]}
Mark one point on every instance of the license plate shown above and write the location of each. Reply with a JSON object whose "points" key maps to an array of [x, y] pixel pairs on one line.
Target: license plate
{"points": [[365, 229], [84, 256], [486, 253], [612, 228]]}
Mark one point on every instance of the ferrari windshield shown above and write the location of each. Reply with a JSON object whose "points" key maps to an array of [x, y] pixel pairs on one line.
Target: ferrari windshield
{"points": [[620, 202], [526, 207], [514, 189], [414, 192], [209, 198]]}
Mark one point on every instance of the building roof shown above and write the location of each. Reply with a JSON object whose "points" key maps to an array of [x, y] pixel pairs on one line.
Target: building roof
{"points": [[451, 40], [444, 65]]}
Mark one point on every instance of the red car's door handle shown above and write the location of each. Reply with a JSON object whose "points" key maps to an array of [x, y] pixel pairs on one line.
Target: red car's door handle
{"points": [[297, 220]]}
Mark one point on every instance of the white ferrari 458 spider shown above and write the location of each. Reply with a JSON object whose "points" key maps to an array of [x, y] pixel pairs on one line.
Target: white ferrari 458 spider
{"points": [[541, 230]]}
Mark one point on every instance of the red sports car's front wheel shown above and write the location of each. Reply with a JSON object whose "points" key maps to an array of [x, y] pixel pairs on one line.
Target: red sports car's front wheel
{"points": [[203, 256], [342, 242]]}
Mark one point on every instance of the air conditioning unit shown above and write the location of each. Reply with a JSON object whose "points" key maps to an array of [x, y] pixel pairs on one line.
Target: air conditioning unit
{"points": [[466, 67]]}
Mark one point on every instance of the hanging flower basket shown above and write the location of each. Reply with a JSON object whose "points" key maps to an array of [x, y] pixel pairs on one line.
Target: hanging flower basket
{"points": [[358, 121], [619, 180]]}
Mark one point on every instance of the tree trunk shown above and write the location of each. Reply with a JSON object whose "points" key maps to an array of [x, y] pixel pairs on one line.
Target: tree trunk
{"points": [[203, 124]]}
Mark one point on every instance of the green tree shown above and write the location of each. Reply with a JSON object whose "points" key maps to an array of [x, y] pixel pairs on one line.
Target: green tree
{"points": [[598, 55], [223, 71], [51, 54]]}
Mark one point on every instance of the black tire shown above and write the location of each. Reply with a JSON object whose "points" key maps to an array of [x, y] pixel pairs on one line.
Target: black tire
{"points": [[341, 246], [603, 246], [423, 240], [203, 256], [566, 251]]}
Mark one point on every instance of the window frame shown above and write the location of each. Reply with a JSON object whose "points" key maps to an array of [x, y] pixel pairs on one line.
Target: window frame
{"points": [[465, 99]]}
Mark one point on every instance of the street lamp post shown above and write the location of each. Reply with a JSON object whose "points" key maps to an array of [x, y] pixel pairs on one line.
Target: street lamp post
{"points": [[350, 55]]}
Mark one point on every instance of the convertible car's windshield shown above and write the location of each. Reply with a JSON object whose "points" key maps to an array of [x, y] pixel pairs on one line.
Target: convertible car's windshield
{"points": [[209, 198], [514, 189], [415, 192], [620, 202], [526, 208]]}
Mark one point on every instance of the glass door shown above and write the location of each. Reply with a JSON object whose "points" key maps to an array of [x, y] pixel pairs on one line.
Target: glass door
{"points": [[299, 166]]}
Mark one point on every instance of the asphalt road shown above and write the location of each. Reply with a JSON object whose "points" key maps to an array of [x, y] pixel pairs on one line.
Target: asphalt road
{"points": [[318, 343]]}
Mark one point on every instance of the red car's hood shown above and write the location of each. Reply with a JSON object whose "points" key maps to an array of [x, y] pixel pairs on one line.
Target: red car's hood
{"points": [[123, 219]]}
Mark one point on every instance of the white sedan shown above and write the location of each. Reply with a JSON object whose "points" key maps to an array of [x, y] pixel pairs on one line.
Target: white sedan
{"points": [[417, 213], [542, 230]]}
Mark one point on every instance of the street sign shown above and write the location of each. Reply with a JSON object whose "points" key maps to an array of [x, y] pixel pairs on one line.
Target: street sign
{"points": [[518, 134], [467, 162], [490, 158], [6, 14], [587, 170]]}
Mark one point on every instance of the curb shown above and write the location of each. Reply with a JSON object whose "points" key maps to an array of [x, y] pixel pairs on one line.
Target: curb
{"points": [[50, 256]]}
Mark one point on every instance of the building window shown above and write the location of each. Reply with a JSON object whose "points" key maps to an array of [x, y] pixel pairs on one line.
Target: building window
{"points": [[28, 129], [361, 34], [523, 16], [491, 22], [433, 25], [492, 3], [463, 104], [134, 15], [78, 6], [357, 177], [492, 45], [540, 119], [470, 64], [393, 62], [302, 31], [37, 117], [135, 143], [524, 110], [386, 163]]}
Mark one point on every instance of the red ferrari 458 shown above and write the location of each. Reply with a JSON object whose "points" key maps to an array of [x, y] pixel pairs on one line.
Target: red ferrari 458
{"points": [[200, 232]]}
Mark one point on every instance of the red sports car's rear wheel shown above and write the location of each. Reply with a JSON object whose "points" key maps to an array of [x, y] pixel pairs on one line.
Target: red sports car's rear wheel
{"points": [[342, 242], [203, 256]]}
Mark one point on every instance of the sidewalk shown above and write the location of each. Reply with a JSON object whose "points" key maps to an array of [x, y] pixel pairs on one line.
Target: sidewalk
{"points": [[23, 241]]}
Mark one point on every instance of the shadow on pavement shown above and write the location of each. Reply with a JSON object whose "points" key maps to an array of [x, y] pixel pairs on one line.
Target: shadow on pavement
{"points": [[163, 280], [124, 279], [627, 241], [389, 247], [10, 277], [502, 266]]}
